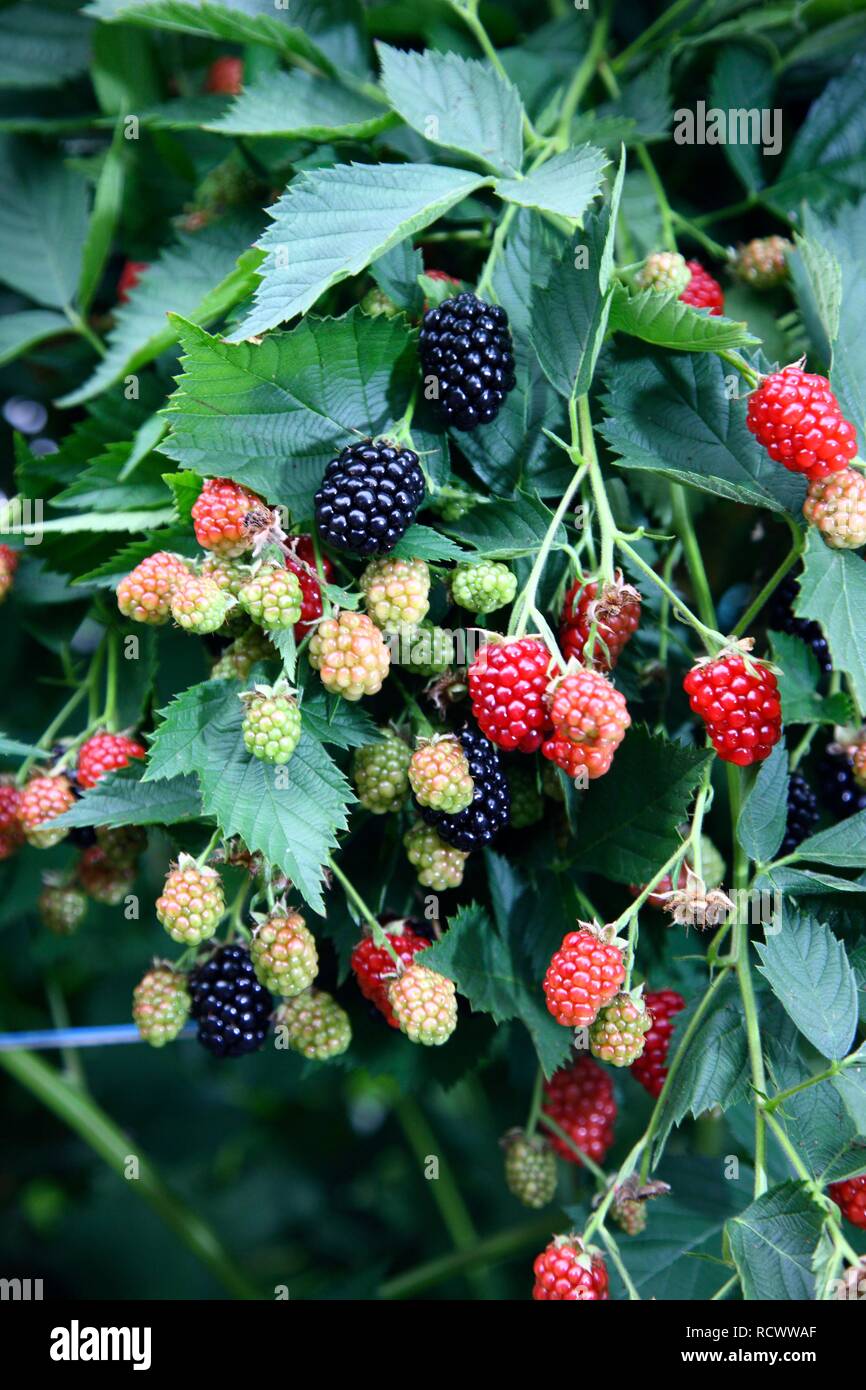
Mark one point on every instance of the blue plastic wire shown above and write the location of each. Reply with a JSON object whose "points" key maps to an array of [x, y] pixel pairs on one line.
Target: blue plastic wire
{"points": [[39, 1039]]}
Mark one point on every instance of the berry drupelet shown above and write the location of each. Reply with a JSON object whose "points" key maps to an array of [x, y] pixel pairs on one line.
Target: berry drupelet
{"points": [[465, 345], [489, 809], [802, 813], [368, 497], [229, 1004]]}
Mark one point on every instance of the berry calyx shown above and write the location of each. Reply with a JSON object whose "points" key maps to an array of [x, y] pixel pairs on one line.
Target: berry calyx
{"points": [[850, 1198], [579, 1098], [585, 973], [797, 418], [740, 705], [567, 1272], [104, 753], [102, 880], [42, 801], [612, 610], [439, 866], [231, 1007], [272, 722], [439, 774], [483, 588], [589, 718], [284, 954], [380, 772], [703, 291], [198, 604], [466, 349], [424, 1005], [350, 655], [488, 811], [144, 595], [374, 966], [314, 1025], [650, 1067], [368, 497], [619, 1032], [837, 506], [272, 597], [161, 1005], [191, 903], [396, 592], [61, 907], [507, 686], [762, 263], [226, 517], [8, 566], [530, 1168]]}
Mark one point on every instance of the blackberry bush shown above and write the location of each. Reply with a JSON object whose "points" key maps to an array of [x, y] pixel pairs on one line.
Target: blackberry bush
{"points": [[432, 536]]}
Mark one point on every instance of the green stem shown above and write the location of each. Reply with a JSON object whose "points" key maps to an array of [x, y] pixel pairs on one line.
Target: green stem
{"points": [[487, 1251], [733, 210], [694, 559], [523, 608], [649, 34], [83, 328], [470, 18], [613, 1251], [535, 1104], [380, 936], [109, 718], [598, 1173], [726, 1288], [583, 75], [72, 1067], [53, 729], [588, 451], [715, 248], [711, 638], [739, 363], [115, 1147], [772, 583], [209, 848], [777, 1100]]}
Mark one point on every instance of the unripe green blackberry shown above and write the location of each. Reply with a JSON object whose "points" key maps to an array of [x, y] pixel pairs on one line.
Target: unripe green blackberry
{"points": [[455, 505], [272, 722], [228, 574], [424, 1005], [396, 591], [160, 1005], [665, 271], [439, 866], [61, 908], [618, 1033], [527, 804], [762, 263], [121, 844], [439, 774], [350, 655], [284, 955], [241, 656], [377, 303], [424, 650], [483, 588], [530, 1168], [315, 1025], [630, 1216], [272, 597], [198, 604], [381, 774], [191, 903]]}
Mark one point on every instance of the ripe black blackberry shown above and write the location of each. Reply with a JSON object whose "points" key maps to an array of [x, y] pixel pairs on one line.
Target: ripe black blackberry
{"points": [[490, 807], [780, 618], [839, 791], [802, 813], [466, 345], [229, 1004], [368, 497]]}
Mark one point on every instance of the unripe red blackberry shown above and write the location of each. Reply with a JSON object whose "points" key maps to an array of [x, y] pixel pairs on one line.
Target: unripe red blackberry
{"points": [[225, 75], [102, 880], [315, 1025], [105, 753], [567, 1272], [439, 866], [439, 774], [198, 604], [122, 844], [161, 1005], [272, 597], [796, 417], [740, 705], [650, 1069], [630, 1216], [301, 560], [589, 718], [144, 595], [613, 613], [380, 772], [284, 954], [8, 566], [702, 291], [225, 516], [850, 1198], [11, 830], [396, 591], [191, 903], [837, 506], [530, 1168], [350, 655], [762, 263], [41, 801], [128, 279], [507, 685], [62, 908], [585, 973], [424, 1004], [484, 587], [272, 722], [374, 966], [618, 1034], [580, 1099]]}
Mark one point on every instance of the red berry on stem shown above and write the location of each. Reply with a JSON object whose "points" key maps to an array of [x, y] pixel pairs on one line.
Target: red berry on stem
{"points": [[702, 291], [11, 831], [583, 974], [225, 75], [589, 720], [615, 611], [565, 1272], [740, 705], [103, 753], [374, 967], [850, 1197], [301, 560], [650, 1069], [797, 418], [507, 685], [580, 1099]]}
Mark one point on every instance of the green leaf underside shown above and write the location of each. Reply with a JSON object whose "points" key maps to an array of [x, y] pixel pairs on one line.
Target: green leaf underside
{"points": [[833, 593], [809, 973], [662, 319], [566, 184], [773, 1244], [761, 826], [299, 105], [122, 798], [714, 1069]]}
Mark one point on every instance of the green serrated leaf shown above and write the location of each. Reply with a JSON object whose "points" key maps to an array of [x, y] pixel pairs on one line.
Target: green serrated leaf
{"points": [[842, 845], [664, 320], [714, 1069], [43, 224], [799, 677], [761, 826], [773, 1243], [809, 974], [122, 798], [833, 593], [566, 184], [301, 106]]}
